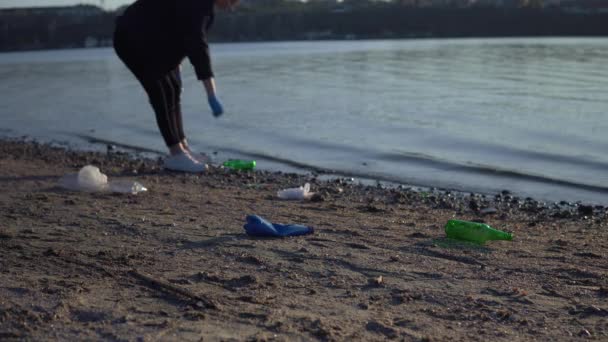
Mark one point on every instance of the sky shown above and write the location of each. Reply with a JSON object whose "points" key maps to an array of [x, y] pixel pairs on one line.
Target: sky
{"points": [[110, 4]]}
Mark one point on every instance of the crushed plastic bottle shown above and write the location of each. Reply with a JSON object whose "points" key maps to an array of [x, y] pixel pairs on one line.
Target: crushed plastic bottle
{"points": [[127, 187], [302, 192], [90, 179]]}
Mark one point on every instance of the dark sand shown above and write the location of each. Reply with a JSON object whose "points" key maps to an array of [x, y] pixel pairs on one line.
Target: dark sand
{"points": [[174, 263]]}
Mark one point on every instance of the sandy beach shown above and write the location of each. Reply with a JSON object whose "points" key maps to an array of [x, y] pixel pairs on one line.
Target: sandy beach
{"points": [[175, 264]]}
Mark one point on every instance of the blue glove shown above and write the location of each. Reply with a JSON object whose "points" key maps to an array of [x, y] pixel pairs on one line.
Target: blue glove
{"points": [[216, 105], [257, 226]]}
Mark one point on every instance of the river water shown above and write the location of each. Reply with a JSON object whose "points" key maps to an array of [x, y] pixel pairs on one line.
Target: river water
{"points": [[485, 115]]}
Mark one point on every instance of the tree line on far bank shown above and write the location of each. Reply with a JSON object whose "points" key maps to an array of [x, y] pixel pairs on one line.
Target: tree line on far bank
{"points": [[43, 30]]}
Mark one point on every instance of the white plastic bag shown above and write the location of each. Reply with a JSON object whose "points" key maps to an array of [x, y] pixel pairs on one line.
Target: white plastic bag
{"points": [[89, 178], [302, 192]]}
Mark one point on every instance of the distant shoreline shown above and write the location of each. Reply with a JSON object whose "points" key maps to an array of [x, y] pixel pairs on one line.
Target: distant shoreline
{"points": [[42, 30], [329, 40]]}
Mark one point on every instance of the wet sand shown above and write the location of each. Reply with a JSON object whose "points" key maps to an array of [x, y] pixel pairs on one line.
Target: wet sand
{"points": [[174, 263]]}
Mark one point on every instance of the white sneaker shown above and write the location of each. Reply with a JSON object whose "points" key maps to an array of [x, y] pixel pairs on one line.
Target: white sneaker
{"points": [[185, 163], [201, 157]]}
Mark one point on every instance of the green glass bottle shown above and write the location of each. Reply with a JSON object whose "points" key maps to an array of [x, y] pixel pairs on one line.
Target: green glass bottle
{"points": [[239, 164], [474, 232]]}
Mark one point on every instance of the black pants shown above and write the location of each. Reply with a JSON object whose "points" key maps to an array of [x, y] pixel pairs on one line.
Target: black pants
{"points": [[163, 88]]}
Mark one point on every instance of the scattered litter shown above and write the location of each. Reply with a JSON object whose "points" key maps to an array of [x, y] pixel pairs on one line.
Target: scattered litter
{"points": [[474, 231], [90, 179], [302, 192], [257, 226]]}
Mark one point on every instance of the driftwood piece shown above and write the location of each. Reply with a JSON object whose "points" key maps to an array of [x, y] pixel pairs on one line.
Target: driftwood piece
{"points": [[168, 287]]}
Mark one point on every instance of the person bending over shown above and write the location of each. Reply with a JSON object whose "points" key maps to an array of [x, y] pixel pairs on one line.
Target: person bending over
{"points": [[152, 37]]}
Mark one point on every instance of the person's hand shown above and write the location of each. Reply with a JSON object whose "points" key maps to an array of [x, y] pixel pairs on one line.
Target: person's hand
{"points": [[216, 105]]}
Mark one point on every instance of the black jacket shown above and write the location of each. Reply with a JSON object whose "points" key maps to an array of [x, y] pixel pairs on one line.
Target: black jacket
{"points": [[166, 31]]}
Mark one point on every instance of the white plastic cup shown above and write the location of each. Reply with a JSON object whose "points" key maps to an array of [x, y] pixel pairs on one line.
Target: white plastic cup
{"points": [[302, 192]]}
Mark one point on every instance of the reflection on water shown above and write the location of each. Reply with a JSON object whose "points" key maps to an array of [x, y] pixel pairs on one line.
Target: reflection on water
{"points": [[521, 114]]}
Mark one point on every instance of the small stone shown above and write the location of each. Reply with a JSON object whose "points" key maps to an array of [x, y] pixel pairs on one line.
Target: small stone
{"points": [[488, 211], [585, 210], [51, 252], [584, 333], [473, 205], [318, 197], [376, 281], [380, 328], [194, 315], [4, 235]]}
